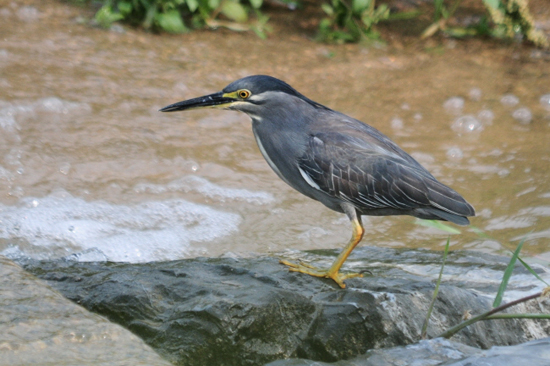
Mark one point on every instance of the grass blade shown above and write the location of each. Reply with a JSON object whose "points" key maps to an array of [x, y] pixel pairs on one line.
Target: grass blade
{"points": [[480, 232], [438, 225], [452, 331], [532, 271], [507, 275], [517, 316], [436, 291]]}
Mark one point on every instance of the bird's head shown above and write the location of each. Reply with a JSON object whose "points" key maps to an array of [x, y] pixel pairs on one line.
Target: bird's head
{"points": [[252, 95]]}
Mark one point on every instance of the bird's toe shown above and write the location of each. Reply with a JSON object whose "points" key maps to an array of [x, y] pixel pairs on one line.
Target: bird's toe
{"points": [[336, 276]]}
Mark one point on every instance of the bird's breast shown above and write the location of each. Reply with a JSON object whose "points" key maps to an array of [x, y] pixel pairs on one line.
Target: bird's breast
{"points": [[281, 149], [268, 158]]}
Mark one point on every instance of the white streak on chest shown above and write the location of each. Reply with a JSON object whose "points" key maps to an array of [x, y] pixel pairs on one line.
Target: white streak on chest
{"points": [[268, 159]]}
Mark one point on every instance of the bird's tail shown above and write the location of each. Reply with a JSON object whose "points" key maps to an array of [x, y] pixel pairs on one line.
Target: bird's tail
{"points": [[447, 204]]}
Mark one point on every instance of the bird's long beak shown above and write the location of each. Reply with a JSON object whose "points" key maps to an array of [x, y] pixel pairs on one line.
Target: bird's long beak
{"points": [[216, 100]]}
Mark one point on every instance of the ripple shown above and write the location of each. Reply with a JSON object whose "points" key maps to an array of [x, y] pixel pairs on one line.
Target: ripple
{"points": [[28, 14], [11, 114], [504, 222], [206, 188]]}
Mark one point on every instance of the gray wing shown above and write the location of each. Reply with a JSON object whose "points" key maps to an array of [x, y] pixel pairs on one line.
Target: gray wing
{"points": [[372, 179]]}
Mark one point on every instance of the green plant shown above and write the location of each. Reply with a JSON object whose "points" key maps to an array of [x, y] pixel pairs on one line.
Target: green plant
{"points": [[511, 19], [497, 303], [351, 20], [169, 15], [424, 330], [441, 15], [345, 20]]}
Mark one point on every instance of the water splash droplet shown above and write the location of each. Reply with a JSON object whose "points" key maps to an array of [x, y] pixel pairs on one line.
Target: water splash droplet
{"points": [[455, 153], [396, 123], [467, 124], [64, 168], [545, 101], [454, 105], [486, 116], [509, 100], [523, 115], [475, 94]]}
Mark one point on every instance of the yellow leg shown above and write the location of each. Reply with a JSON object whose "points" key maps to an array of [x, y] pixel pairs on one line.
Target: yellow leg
{"points": [[334, 270]]}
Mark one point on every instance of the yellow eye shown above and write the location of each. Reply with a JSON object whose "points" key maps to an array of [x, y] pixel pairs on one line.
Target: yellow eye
{"points": [[243, 94]]}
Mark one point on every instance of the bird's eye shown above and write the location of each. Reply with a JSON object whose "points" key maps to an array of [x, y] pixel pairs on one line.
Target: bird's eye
{"points": [[243, 93]]}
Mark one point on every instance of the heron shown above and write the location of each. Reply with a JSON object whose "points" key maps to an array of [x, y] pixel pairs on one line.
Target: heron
{"points": [[345, 164]]}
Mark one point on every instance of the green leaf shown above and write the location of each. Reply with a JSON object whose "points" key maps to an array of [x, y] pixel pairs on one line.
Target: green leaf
{"points": [[382, 13], [327, 9], [507, 275], [358, 6], [325, 25], [171, 21], [256, 4], [480, 232], [192, 5], [260, 32], [495, 4], [234, 11], [532, 271], [438, 225], [213, 4], [125, 7], [405, 15], [105, 16]]}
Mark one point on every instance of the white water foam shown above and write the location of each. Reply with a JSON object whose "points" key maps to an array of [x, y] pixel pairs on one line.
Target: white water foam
{"points": [[150, 231]]}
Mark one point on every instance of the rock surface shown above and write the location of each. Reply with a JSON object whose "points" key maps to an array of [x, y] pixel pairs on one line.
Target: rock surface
{"points": [[228, 311], [38, 326], [440, 351]]}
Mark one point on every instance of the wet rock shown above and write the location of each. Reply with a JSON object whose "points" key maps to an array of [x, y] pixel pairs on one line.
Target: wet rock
{"points": [[40, 327], [228, 311], [443, 352]]}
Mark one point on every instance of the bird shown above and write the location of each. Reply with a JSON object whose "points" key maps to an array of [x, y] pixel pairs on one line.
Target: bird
{"points": [[345, 164]]}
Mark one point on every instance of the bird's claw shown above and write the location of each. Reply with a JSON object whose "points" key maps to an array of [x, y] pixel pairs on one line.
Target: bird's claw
{"points": [[338, 277]]}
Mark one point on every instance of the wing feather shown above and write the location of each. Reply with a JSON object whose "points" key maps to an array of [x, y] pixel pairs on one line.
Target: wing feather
{"points": [[372, 180]]}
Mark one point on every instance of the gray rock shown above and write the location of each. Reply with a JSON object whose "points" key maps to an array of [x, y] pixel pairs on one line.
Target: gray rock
{"points": [[252, 311], [442, 352], [534, 353], [40, 327]]}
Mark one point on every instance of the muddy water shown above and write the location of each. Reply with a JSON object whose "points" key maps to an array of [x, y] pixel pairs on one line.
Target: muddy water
{"points": [[89, 168]]}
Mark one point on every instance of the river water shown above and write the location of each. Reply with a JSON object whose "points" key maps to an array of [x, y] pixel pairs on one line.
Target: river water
{"points": [[90, 170]]}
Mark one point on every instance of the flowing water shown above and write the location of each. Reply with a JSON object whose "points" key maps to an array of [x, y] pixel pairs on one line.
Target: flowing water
{"points": [[91, 170]]}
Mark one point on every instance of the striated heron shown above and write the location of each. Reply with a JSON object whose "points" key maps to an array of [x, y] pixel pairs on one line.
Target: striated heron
{"points": [[347, 165]]}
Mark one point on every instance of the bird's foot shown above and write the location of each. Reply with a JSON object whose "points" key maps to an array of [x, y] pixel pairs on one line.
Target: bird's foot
{"points": [[338, 277]]}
